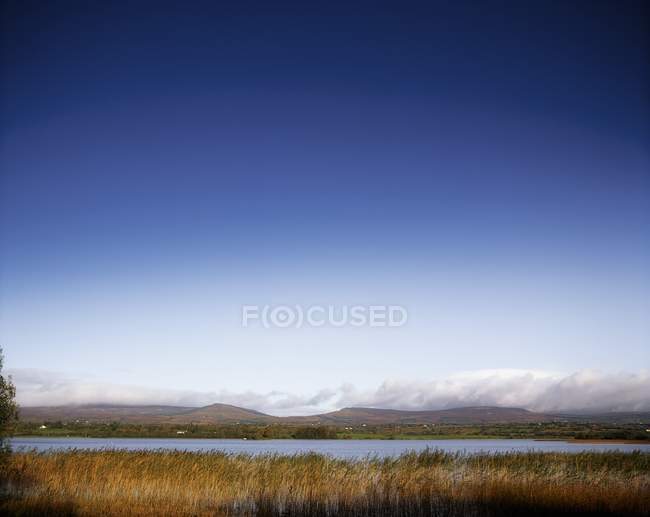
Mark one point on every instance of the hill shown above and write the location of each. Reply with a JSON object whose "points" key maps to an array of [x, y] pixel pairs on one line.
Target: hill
{"points": [[222, 414], [466, 415], [227, 414], [212, 414]]}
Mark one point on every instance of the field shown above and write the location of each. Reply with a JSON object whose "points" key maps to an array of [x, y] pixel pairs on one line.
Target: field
{"points": [[541, 430], [428, 483]]}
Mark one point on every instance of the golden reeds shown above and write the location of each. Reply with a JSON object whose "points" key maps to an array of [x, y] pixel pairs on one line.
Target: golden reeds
{"points": [[426, 483]]}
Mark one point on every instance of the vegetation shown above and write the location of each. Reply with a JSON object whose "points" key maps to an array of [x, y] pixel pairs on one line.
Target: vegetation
{"points": [[315, 433], [120, 430], [428, 483], [548, 431], [8, 409]]}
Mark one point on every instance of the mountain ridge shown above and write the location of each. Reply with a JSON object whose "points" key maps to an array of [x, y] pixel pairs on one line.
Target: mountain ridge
{"points": [[228, 414]]}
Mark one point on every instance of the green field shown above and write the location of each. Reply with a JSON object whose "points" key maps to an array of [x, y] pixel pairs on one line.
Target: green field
{"points": [[548, 431]]}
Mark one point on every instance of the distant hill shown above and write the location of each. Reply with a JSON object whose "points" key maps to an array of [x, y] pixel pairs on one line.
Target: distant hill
{"points": [[613, 417], [466, 415], [227, 414], [223, 414], [100, 413], [212, 414]]}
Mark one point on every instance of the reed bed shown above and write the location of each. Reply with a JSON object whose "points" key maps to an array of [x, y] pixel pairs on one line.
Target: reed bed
{"points": [[430, 483]]}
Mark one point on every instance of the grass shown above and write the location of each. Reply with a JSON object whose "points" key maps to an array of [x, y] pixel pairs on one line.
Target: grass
{"points": [[428, 483]]}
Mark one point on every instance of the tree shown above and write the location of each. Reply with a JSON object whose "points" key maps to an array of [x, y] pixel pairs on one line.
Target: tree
{"points": [[314, 433], [8, 408]]}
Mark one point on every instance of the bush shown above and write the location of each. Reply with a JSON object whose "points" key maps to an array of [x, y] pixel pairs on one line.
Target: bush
{"points": [[315, 433], [8, 408]]}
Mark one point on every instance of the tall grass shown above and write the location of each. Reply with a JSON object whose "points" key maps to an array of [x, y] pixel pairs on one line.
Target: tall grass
{"points": [[427, 483]]}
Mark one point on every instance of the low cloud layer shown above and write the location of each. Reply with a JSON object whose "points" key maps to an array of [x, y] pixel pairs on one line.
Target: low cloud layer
{"points": [[538, 391]]}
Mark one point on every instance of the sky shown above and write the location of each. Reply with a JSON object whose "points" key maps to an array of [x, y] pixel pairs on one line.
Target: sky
{"points": [[484, 165]]}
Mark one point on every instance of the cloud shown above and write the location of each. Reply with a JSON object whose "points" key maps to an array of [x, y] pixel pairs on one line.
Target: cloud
{"points": [[46, 388], [586, 390], [538, 391]]}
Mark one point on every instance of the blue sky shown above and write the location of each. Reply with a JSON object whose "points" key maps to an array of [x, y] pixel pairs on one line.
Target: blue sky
{"points": [[163, 164]]}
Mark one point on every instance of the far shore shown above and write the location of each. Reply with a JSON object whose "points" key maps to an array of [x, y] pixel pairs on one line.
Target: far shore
{"points": [[570, 432], [383, 438], [595, 441], [632, 442]]}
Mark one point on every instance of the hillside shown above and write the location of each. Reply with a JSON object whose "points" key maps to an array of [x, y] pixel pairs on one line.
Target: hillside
{"points": [[468, 415], [100, 413], [212, 414], [222, 414], [227, 414]]}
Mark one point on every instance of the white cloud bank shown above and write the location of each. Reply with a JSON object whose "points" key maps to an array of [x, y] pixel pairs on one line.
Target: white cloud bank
{"points": [[585, 390]]}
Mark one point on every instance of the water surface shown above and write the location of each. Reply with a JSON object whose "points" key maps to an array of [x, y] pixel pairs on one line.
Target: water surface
{"points": [[336, 448]]}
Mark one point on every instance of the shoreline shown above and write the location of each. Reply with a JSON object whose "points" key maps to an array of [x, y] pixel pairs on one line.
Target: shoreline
{"points": [[595, 441], [424, 439]]}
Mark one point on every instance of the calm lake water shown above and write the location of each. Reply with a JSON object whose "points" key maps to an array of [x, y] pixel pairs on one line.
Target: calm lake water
{"points": [[337, 448]]}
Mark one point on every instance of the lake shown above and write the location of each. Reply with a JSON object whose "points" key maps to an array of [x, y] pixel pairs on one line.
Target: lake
{"points": [[336, 448]]}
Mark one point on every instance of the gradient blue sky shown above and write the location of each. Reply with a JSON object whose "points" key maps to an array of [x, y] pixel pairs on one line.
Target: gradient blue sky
{"points": [[485, 165]]}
